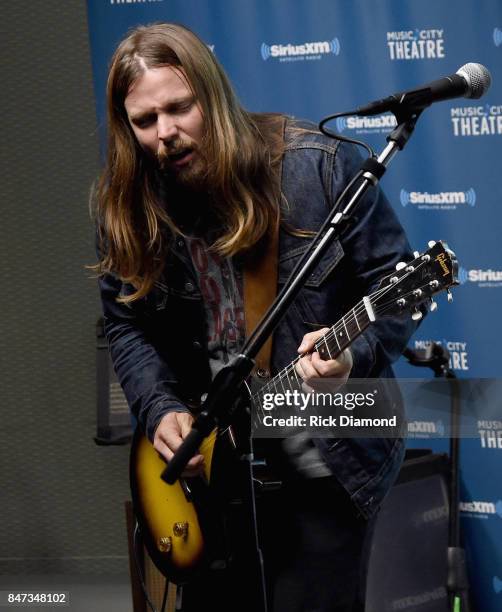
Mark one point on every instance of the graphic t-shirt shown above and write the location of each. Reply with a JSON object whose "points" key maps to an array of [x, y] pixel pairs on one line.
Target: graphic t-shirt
{"points": [[220, 282]]}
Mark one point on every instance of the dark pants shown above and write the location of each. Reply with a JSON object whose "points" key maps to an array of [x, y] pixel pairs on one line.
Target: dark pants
{"points": [[315, 553]]}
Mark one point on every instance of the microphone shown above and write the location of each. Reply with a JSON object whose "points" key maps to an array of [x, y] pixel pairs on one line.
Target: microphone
{"points": [[470, 81]]}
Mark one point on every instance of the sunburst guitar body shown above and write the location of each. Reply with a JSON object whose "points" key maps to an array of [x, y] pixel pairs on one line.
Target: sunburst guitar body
{"points": [[169, 516]]}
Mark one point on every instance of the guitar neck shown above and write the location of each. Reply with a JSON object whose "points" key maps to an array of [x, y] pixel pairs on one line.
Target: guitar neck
{"points": [[329, 346], [406, 289], [345, 331]]}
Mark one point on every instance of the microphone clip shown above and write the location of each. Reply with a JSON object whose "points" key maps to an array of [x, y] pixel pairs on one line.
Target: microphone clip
{"points": [[406, 122]]}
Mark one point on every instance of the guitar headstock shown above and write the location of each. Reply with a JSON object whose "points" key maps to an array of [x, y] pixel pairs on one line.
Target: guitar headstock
{"points": [[415, 283]]}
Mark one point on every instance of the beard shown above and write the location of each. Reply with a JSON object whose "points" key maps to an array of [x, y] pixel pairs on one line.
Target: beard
{"points": [[190, 175]]}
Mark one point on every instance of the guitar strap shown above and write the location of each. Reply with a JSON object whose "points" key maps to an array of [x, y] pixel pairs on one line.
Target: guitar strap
{"points": [[260, 282]]}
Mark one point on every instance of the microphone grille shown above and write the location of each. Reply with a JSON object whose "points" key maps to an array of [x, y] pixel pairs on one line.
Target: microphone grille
{"points": [[478, 79]]}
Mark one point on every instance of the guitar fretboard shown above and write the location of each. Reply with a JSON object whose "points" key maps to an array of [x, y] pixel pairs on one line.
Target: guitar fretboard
{"points": [[329, 346]]}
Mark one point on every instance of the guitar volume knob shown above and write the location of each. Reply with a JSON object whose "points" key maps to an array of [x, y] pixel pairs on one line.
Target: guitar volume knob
{"points": [[180, 529], [165, 544]]}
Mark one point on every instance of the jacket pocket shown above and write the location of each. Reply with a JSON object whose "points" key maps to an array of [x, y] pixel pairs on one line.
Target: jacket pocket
{"points": [[314, 301], [325, 266]]}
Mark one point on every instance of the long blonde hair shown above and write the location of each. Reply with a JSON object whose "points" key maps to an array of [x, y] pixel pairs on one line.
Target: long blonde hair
{"points": [[243, 150]]}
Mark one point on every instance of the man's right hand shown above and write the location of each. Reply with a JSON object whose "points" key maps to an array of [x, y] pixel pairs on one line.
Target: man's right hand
{"points": [[170, 433]]}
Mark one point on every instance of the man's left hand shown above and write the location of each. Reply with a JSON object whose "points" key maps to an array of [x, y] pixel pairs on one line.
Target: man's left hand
{"points": [[311, 367]]}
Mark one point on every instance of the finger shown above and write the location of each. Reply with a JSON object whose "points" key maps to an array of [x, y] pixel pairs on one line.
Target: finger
{"points": [[171, 436], [174, 427], [307, 388], [331, 367], [185, 422], [301, 366], [163, 449], [310, 339], [192, 468], [308, 371], [196, 461]]}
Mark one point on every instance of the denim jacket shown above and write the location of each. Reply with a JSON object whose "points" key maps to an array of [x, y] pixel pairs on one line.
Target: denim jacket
{"points": [[158, 344]]}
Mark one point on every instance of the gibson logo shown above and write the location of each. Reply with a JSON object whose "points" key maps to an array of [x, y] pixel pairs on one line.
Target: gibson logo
{"points": [[441, 259]]}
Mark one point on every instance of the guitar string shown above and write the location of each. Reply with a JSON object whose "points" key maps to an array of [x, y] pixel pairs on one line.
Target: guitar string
{"points": [[359, 309], [376, 295], [333, 332], [285, 373], [291, 375]]}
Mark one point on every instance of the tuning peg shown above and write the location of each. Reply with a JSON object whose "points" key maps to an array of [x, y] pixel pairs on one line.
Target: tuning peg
{"points": [[431, 243], [400, 265], [416, 315], [416, 254], [450, 295], [433, 306]]}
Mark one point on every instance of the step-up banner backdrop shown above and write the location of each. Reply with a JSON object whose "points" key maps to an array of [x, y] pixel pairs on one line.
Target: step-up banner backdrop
{"points": [[312, 58]]}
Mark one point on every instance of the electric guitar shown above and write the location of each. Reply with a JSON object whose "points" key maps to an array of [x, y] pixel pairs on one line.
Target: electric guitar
{"points": [[180, 523]]}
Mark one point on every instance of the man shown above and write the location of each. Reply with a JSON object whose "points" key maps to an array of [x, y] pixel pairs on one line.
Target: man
{"points": [[192, 188]]}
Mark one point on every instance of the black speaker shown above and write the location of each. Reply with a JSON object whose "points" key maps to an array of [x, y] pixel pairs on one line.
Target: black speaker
{"points": [[408, 559], [113, 420]]}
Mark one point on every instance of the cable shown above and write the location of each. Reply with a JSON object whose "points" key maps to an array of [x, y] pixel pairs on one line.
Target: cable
{"points": [[331, 134], [164, 598]]}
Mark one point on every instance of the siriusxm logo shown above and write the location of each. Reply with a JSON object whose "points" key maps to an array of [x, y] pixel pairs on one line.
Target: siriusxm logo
{"points": [[497, 37], [425, 429], [381, 124], [458, 352], [463, 275], [476, 120], [481, 507], [484, 278], [445, 200], [416, 44], [305, 51]]}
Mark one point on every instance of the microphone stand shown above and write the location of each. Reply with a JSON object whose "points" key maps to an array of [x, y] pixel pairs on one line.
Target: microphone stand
{"points": [[220, 404], [437, 358]]}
